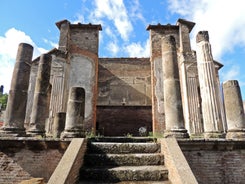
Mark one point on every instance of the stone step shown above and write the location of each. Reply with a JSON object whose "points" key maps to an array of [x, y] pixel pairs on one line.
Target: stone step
{"points": [[125, 173], [124, 159], [126, 182], [123, 148], [122, 139]]}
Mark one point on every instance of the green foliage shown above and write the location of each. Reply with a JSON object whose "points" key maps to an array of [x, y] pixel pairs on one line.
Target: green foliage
{"points": [[89, 134], [128, 135], [3, 100], [155, 135], [92, 134]]}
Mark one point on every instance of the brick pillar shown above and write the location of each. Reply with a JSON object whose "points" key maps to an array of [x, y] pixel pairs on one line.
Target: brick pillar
{"points": [[234, 110], [16, 106], [212, 121], [59, 124], [171, 87], [40, 102], [74, 125]]}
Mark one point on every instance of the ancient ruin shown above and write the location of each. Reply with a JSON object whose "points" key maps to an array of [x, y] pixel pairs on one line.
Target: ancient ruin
{"points": [[130, 93], [70, 92]]}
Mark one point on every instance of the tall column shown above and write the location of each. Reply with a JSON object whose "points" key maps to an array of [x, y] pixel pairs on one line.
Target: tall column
{"points": [[234, 110], [212, 121], [40, 102], [74, 125], [171, 87], [156, 33], [16, 106]]}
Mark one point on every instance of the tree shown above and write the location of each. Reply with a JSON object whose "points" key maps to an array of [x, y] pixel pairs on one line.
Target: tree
{"points": [[3, 101]]}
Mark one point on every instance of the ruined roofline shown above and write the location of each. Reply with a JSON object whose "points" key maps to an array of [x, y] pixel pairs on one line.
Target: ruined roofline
{"points": [[52, 51], [160, 26], [130, 58], [124, 59], [189, 24], [79, 25]]}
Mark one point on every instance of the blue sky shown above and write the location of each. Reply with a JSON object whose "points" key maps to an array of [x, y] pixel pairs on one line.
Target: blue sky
{"points": [[124, 25]]}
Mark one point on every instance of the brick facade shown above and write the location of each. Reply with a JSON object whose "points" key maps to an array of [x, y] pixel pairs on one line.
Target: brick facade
{"points": [[216, 162], [22, 160]]}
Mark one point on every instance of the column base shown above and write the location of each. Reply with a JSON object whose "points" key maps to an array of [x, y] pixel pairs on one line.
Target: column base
{"points": [[177, 133], [7, 131], [72, 134], [213, 135], [36, 133], [236, 135]]}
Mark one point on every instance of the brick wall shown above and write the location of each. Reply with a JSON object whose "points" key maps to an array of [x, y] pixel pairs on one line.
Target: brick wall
{"points": [[123, 120], [124, 96], [85, 37], [216, 162], [124, 81], [68, 168], [21, 160], [10, 171]]}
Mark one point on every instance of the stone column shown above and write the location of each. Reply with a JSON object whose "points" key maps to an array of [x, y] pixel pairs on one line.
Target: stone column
{"points": [[171, 87], [234, 110], [16, 106], [212, 121], [74, 125], [59, 124], [40, 105]]}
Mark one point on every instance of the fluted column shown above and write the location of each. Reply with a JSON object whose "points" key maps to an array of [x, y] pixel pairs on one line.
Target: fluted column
{"points": [[74, 125], [40, 102], [195, 125], [234, 110], [171, 87], [212, 121], [16, 106]]}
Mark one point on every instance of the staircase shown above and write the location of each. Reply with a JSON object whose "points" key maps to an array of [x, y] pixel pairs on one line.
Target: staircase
{"points": [[124, 161]]}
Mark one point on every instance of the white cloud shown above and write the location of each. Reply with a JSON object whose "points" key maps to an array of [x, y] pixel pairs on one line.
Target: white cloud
{"points": [[79, 19], [225, 21], [138, 49], [8, 51], [232, 74], [115, 11], [135, 12], [113, 48], [53, 44]]}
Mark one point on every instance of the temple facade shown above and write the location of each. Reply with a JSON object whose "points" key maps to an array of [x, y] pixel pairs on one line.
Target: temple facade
{"points": [[174, 92]]}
